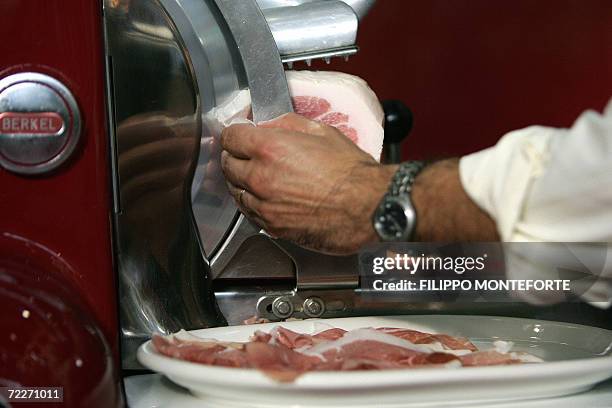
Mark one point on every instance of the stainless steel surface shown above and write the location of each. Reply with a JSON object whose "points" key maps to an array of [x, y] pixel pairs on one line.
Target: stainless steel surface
{"points": [[310, 27], [236, 304], [260, 58], [242, 231], [220, 78], [157, 103], [344, 52], [268, 89], [320, 271], [361, 7], [304, 304], [28, 94], [258, 258]]}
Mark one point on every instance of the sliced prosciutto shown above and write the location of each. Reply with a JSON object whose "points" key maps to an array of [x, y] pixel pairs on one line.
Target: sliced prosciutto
{"points": [[340, 100], [417, 337], [284, 355]]}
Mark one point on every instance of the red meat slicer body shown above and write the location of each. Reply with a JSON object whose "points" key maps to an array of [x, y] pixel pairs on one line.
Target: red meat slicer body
{"points": [[58, 289]]}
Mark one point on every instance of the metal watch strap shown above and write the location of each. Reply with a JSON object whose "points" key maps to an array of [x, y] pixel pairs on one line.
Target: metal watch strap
{"points": [[404, 177], [395, 218]]}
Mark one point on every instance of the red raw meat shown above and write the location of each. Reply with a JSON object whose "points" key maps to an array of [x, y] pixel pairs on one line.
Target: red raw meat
{"points": [[311, 107], [318, 109], [377, 355], [330, 334], [201, 352], [417, 337], [261, 337], [275, 356], [256, 320], [291, 339], [485, 358], [294, 340], [455, 343], [334, 118]]}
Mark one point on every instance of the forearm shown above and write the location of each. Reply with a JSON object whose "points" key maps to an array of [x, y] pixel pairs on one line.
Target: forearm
{"points": [[444, 211]]}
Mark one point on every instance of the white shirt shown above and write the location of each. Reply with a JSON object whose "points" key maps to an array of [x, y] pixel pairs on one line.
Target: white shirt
{"points": [[543, 184]]}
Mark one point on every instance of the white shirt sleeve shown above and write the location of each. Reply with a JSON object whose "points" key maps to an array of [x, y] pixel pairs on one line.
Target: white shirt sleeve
{"points": [[544, 184]]}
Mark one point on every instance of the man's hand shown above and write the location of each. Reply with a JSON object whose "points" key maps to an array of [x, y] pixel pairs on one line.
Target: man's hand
{"points": [[305, 182]]}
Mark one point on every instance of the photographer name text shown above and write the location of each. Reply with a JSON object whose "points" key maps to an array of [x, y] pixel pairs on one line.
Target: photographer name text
{"points": [[425, 285]]}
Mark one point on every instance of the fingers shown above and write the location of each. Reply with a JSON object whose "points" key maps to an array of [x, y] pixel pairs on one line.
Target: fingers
{"points": [[241, 140], [247, 203], [294, 122], [236, 170]]}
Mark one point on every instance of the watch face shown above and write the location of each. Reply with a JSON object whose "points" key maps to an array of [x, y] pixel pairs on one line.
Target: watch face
{"points": [[391, 221]]}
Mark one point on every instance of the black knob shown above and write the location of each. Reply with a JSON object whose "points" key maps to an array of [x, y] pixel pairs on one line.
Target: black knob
{"points": [[398, 124], [398, 121]]}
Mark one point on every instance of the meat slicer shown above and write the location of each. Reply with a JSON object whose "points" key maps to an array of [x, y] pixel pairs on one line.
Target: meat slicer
{"points": [[186, 257], [177, 71]]}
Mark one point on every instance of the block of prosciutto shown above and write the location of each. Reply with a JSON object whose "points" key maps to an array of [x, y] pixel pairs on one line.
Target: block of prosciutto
{"points": [[340, 100]]}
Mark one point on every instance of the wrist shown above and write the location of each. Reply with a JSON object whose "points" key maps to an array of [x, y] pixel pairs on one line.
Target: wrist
{"points": [[395, 218], [378, 180]]}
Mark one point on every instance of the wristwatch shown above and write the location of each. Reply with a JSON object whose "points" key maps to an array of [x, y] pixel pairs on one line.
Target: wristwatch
{"points": [[395, 217]]}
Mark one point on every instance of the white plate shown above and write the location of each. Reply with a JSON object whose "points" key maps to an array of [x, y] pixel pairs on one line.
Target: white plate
{"points": [[577, 357]]}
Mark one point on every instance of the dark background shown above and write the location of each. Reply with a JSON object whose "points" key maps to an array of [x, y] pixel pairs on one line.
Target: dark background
{"points": [[472, 70]]}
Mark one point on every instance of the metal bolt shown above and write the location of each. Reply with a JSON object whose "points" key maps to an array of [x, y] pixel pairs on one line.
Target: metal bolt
{"points": [[314, 307], [282, 307]]}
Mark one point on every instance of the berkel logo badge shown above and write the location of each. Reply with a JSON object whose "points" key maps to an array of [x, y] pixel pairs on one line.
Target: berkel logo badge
{"points": [[31, 123]]}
